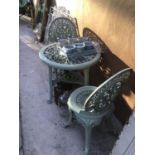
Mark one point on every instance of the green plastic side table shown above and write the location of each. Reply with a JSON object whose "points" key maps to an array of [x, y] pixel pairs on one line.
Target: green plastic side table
{"points": [[57, 61]]}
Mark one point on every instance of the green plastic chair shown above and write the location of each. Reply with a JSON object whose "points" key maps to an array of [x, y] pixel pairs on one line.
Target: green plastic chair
{"points": [[61, 28], [22, 3], [91, 104]]}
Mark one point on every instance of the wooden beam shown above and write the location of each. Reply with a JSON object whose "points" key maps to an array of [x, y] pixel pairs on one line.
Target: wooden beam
{"points": [[48, 4]]}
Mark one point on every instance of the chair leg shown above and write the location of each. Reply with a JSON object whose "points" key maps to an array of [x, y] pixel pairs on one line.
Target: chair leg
{"points": [[70, 118], [88, 130], [50, 86]]}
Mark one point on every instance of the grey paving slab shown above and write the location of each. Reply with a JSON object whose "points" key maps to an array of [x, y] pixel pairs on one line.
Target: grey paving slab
{"points": [[42, 123]]}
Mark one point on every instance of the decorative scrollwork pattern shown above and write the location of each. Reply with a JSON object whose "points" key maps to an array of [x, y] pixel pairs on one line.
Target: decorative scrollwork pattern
{"points": [[104, 95]]}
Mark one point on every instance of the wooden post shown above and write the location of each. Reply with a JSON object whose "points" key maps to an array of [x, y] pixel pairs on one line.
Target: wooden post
{"points": [[36, 7], [48, 4], [32, 14]]}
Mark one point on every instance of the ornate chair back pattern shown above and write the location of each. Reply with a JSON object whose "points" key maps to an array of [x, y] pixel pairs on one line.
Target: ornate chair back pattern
{"points": [[61, 28], [102, 98]]}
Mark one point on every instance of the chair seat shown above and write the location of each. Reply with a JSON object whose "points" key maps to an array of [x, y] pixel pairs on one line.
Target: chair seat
{"points": [[78, 97]]}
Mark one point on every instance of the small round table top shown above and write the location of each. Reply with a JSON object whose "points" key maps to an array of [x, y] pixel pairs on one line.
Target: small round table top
{"points": [[51, 55]]}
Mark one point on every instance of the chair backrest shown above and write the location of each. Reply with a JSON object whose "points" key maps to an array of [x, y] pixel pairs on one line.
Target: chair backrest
{"points": [[61, 28], [102, 97]]}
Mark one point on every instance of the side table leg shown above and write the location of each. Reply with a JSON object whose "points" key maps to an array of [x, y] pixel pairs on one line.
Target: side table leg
{"points": [[86, 76], [50, 86]]}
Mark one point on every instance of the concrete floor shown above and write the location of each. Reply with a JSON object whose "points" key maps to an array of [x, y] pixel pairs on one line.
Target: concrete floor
{"points": [[42, 131]]}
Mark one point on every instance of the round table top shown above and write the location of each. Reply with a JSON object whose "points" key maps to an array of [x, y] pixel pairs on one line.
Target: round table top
{"points": [[51, 56]]}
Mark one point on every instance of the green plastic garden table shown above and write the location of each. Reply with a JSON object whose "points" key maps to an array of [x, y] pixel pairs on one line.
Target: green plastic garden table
{"points": [[50, 55]]}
